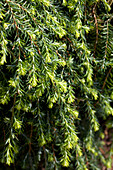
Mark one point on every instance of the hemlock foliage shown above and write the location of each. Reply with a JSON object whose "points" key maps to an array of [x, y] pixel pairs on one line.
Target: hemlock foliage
{"points": [[56, 82]]}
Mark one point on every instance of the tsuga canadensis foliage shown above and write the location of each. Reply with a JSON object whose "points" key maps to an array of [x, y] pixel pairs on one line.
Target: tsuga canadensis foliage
{"points": [[56, 83]]}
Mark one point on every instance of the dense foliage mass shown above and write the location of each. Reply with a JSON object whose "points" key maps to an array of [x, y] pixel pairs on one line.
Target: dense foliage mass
{"points": [[56, 83]]}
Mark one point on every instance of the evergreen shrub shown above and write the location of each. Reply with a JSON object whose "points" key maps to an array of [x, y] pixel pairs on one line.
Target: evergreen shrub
{"points": [[56, 83]]}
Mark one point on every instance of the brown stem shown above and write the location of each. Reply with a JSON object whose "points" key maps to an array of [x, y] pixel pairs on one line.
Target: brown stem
{"points": [[44, 155], [104, 83], [106, 43], [71, 43], [15, 26], [96, 23], [4, 135], [54, 155], [37, 47], [106, 78], [59, 55], [23, 10], [30, 139], [87, 163], [13, 110]]}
